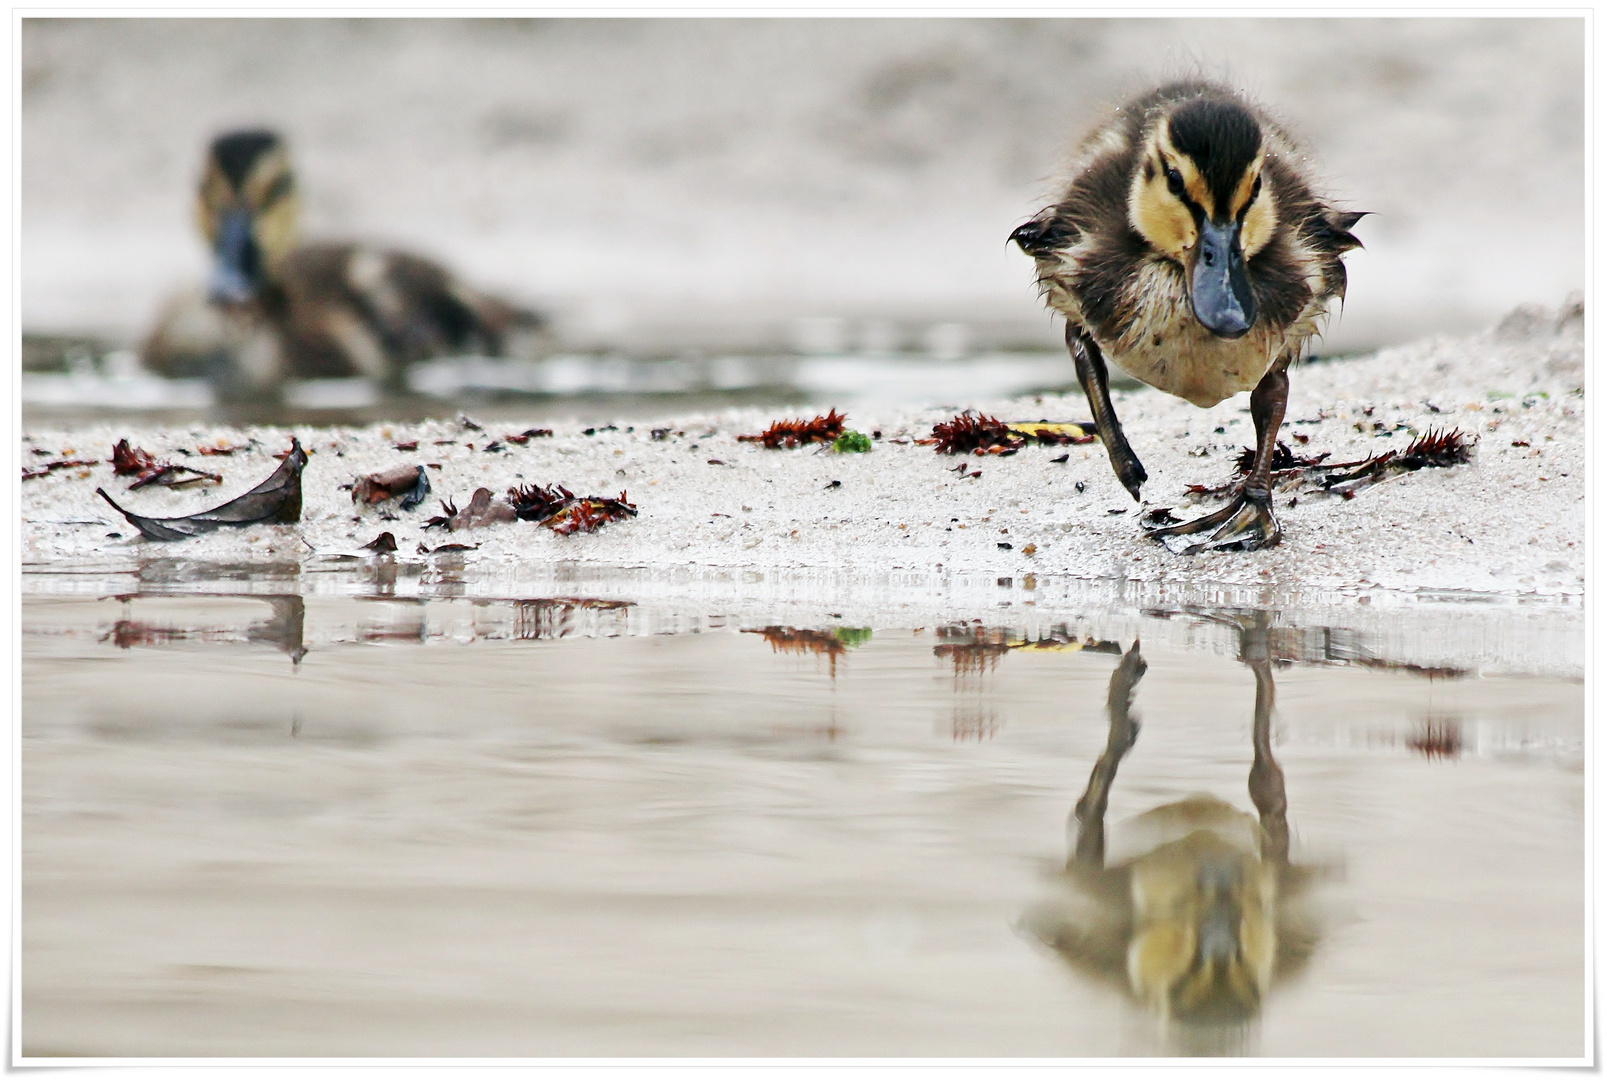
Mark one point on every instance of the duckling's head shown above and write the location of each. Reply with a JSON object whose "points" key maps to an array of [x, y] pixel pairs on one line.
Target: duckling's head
{"points": [[247, 210], [1199, 197], [1204, 947]]}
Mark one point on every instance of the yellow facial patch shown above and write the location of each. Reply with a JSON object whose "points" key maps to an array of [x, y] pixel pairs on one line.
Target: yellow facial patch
{"points": [[1261, 217], [1158, 957], [1217, 983], [1164, 220], [216, 196], [1155, 210], [268, 195], [1194, 185], [276, 229]]}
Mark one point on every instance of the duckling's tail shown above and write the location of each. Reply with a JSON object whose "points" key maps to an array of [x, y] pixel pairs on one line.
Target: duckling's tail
{"points": [[496, 320], [504, 317]]}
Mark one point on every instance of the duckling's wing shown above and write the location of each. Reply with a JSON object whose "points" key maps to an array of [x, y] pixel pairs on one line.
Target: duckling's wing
{"points": [[1339, 223], [411, 308], [430, 312], [1093, 203], [1045, 233]]}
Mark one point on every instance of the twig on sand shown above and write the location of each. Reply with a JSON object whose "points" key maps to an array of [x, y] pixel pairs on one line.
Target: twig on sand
{"points": [[1434, 450]]}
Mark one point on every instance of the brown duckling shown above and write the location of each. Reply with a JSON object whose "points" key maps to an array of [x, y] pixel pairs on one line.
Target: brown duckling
{"points": [[276, 309], [1190, 249], [1207, 912]]}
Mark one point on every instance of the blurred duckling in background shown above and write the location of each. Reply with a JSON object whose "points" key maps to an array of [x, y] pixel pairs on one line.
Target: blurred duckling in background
{"points": [[1191, 250], [275, 309], [1200, 922]]}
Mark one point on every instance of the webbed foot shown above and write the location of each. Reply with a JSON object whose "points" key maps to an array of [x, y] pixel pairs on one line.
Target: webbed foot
{"points": [[1245, 524], [1129, 470]]}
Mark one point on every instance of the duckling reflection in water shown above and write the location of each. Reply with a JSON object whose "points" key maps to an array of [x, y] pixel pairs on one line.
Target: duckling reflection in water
{"points": [[275, 309], [1191, 250], [1202, 921]]}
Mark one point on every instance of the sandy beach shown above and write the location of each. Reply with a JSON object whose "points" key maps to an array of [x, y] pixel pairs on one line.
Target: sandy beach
{"points": [[812, 750], [1509, 522]]}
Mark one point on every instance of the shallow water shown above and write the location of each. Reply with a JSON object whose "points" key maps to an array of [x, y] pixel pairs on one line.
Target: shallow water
{"points": [[269, 811], [583, 387]]}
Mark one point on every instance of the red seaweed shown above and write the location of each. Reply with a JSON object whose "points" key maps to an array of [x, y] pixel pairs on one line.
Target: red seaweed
{"points": [[1437, 740], [131, 461], [553, 506], [589, 515], [977, 434], [971, 434], [790, 433]]}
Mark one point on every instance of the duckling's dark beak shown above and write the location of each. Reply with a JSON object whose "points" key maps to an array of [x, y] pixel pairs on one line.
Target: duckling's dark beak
{"points": [[236, 260], [1219, 923], [1220, 285], [1219, 930]]}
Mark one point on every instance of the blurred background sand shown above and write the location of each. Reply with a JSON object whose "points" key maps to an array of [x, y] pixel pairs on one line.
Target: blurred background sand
{"points": [[775, 184]]}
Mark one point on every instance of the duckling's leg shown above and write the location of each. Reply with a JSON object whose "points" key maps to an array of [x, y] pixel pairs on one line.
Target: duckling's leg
{"points": [[1090, 812], [1095, 382], [1247, 523], [1266, 775]]}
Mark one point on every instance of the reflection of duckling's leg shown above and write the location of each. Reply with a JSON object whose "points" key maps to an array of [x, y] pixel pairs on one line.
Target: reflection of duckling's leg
{"points": [[1090, 811], [1246, 523], [1095, 382], [1266, 776]]}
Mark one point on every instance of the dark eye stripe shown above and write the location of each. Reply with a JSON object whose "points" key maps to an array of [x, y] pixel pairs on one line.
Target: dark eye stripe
{"points": [[282, 186], [1174, 184], [1255, 191]]}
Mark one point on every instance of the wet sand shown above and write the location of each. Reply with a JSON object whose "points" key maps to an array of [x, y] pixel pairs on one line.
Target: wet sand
{"points": [[1511, 522]]}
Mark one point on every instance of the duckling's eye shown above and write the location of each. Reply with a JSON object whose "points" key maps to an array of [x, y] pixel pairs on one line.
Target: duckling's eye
{"points": [[1255, 189], [1174, 181]]}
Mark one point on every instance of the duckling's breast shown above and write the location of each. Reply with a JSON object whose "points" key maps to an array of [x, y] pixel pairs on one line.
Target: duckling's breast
{"points": [[1152, 333], [1193, 364], [1161, 341]]}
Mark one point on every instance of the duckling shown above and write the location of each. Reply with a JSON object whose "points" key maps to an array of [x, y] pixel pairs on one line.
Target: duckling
{"points": [[1200, 923], [276, 309], [1191, 250]]}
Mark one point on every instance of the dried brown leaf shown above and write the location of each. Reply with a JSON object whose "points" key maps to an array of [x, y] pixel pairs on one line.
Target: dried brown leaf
{"points": [[409, 481], [277, 499]]}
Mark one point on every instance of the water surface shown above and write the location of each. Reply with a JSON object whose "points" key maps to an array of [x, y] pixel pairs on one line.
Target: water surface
{"points": [[419, 815]]}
